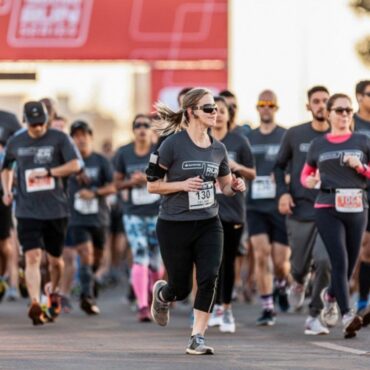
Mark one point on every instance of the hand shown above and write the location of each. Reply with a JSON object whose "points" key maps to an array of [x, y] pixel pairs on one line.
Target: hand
{"points": [[286, 204], [83, 179], [39, 173], [86, 194], [352, 161], [237, 184], [313, 180], [138, 178], [7, 199], [192, 184], [234, 167]]}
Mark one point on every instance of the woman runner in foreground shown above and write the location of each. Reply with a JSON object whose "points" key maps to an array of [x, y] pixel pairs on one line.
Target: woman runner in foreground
{"points": [[189, 230]]}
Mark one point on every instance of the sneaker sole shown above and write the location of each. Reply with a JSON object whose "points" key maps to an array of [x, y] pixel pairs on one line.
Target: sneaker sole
{"points": [[227, 329], [268, 323], [355, 326], [190, 351], [152, 311], [322, 315], [366, 318], [35, 315], [310, 332]]}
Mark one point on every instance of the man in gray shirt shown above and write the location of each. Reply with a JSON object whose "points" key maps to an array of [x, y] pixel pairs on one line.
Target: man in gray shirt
{"points": [[43, 157]]}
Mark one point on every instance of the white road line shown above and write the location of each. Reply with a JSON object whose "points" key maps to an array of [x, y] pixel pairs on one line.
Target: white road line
{"points": [[336, 347]]}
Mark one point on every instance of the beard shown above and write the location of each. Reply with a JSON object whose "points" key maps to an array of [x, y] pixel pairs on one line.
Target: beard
{"points": [[319, 118]]}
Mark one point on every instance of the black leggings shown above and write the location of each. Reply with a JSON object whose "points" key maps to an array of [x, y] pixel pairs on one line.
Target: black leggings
{"points": [[342, 235], [183, 244], [232, 236]]}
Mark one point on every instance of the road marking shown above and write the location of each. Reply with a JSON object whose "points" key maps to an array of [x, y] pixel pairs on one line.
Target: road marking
{"points": [[336, 347]]}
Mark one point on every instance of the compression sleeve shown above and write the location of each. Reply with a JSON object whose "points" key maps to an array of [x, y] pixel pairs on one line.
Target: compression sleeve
{"points": [[307, 171]]}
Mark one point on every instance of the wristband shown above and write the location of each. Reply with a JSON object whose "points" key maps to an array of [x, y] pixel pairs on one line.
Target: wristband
{"points": [[49, 172]]}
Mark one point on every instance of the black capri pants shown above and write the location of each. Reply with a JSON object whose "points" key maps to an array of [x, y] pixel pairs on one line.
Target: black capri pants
{"points": [[183, 244], [342, 236]]}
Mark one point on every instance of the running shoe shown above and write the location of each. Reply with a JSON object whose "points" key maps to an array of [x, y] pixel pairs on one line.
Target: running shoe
{"points": [[330, 312], [160, 310], [267, 318], [352, 323], [35, 313], [12, 294], [66, 304], [3, 288], [228, 322], [54, 304], [296, 296], [144, 315], [197, 346], [88, 305], [282, 298], [216, 316], [313, 326], [365, 315]]}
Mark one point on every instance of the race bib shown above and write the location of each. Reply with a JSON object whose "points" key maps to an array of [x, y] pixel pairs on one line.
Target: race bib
{"points": [[38, 183], [112, 200], [263, 187], [203, 198], [349, 200], [141, 196], [86, 206]]}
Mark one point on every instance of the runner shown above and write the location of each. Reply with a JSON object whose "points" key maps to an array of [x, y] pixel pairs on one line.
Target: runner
{"points": [[296, 202], [362, 125], [89, 219], [232, 214], [43, 157], [9, 124], [266, 225], [337, 163], [188, 228], [140, 213]]}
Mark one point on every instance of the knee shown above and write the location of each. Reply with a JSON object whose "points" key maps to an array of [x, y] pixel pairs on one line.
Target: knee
{"points": [[208, 283], [56, 262], [33, 257]]}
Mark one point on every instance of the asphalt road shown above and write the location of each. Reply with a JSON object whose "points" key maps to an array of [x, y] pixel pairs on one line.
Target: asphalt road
{"points": [[115, 340]]}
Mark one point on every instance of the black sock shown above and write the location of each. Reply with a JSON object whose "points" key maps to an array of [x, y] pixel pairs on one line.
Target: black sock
{"points": [[364, 279]]}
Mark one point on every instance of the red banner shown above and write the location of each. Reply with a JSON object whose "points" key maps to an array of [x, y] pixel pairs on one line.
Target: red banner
{"points": [[113, 29]]}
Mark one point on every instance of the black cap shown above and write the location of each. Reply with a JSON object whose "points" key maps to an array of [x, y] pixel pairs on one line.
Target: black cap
{"points": [[80, 125], [35, 113]]}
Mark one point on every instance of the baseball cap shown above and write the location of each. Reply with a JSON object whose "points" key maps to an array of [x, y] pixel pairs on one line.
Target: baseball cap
{"points": [[34, 113], [80, 125]]}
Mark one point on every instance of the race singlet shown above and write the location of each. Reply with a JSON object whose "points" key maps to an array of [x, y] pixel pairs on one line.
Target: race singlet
{"points": [[86, 206], [141, 196], [349, 200], [263, 187], [41, 183], [203, 198]]}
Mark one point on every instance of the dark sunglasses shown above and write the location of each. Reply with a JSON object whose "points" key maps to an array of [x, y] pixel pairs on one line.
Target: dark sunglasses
{"points": [[141, 125], [207, 108], [341, 110]]}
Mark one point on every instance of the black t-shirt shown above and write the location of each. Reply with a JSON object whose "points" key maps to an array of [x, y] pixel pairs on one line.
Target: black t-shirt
{"points": [[232, 209], [334, 173], [293, 151], [93, 212], [262, 191]]}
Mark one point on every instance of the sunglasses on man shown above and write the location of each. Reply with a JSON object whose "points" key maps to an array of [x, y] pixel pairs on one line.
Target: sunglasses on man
{"points": [[266, 104], [138, 125]]}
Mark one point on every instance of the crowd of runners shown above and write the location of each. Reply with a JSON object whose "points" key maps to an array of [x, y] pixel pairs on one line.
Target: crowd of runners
{"points": [[197, 208]]}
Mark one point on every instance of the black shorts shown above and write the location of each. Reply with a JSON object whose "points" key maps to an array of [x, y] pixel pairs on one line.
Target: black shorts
{"points": [[272, 224], [45, 234], [116, 221], [6, 221], [77, 235]]}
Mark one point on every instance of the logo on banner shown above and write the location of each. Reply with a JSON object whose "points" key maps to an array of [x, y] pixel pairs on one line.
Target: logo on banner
{"points": [[49, 23]]}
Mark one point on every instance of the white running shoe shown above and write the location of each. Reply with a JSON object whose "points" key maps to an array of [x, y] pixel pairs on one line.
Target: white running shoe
{"points": [[227, 322], [216, 316], [296, 295], [351, 324], [313, 326], [330, 312]]}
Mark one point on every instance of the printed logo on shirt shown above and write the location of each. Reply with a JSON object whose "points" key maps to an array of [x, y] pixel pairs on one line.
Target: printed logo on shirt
{"points": [[92, 172], [209, 169], [364, 132], [304, 147], [131, 168], [41, 155], [270, 150], [232, 155], [341, 155]]}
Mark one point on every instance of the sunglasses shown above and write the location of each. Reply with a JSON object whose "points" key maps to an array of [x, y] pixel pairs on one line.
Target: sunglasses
{"points": [[266, 104], [341, 110], [207, 108], [141, 125]]}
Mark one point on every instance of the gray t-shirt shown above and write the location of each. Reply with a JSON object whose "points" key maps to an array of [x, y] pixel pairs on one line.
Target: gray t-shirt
{"points": [[262, 191], [232, 209], [45, 198], [136, 201], [94, 212], [184, 160]]}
